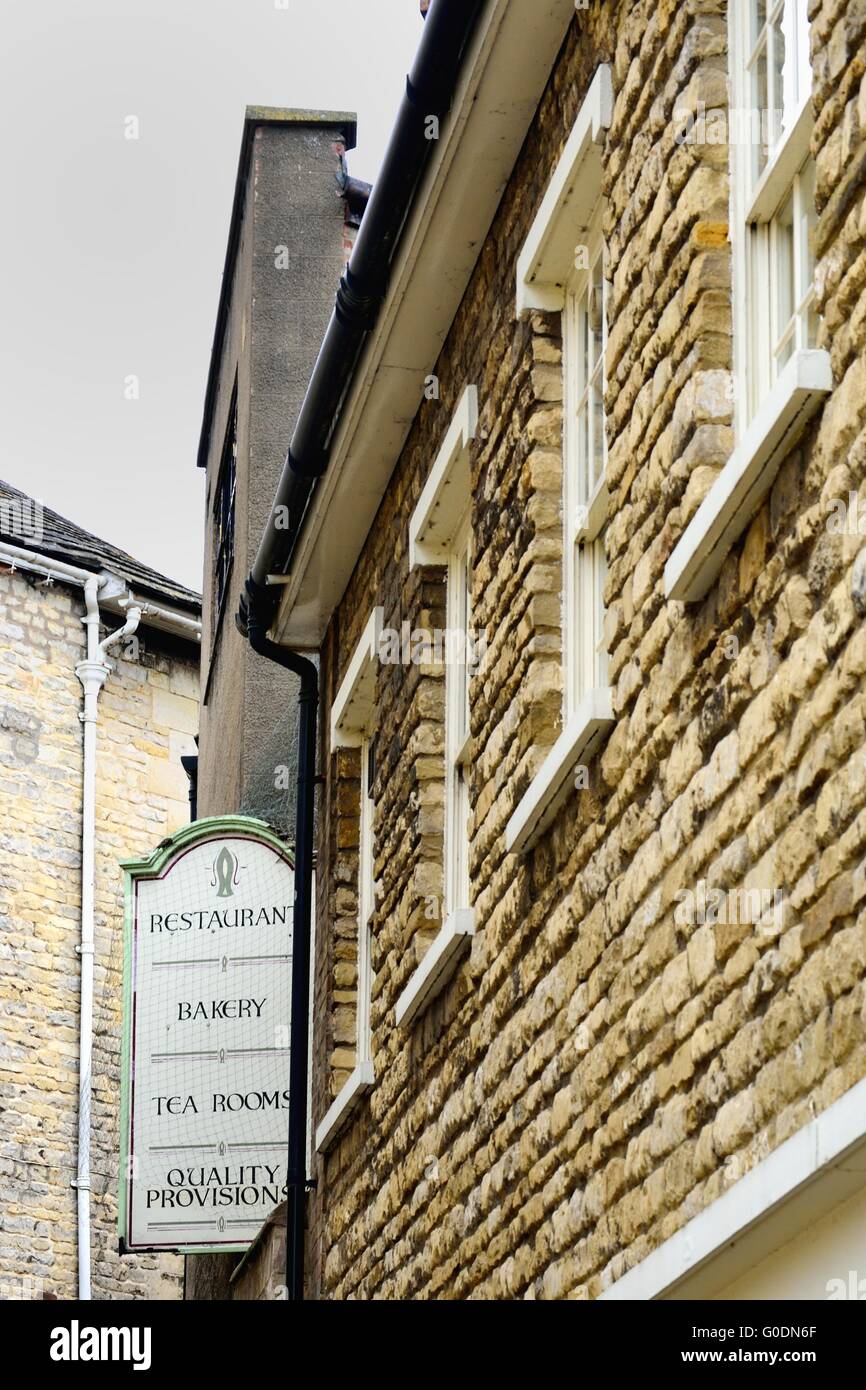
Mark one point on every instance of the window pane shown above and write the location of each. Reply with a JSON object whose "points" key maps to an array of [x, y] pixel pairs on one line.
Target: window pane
{"points": [[457, 723], [366, 858], [783, 247], [804, 57], [589, 438], [596, 314], [224, 513], [778, 75], [600, 566], [463, 708], [366, 869], [585, 359], [806, 263], [597, 458], [585, 450], [462, 840], [591, 660], [786, 347], [758, 20], [761, 122], [583, 447], [583, 613]]}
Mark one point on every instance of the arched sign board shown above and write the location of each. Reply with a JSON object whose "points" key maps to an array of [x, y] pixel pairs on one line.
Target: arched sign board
{"points": [[205, 1077]]}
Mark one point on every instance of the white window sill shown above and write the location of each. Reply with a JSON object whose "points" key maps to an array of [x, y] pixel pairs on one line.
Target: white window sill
{"points": [[781, 171], [437, 967], [748, 475], [808, 1176], [552, 784], [590, 519], [335, 1121]]}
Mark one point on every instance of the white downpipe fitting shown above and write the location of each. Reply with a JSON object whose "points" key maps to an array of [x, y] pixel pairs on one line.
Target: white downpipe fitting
{"points": [[116, 600], [93, 673]]}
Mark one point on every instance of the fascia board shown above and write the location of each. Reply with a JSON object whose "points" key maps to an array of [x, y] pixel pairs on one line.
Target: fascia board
{"points": [[503, 80]]}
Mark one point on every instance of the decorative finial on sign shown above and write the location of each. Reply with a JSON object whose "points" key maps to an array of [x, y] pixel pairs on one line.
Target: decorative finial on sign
{"points": [[225, 872]]}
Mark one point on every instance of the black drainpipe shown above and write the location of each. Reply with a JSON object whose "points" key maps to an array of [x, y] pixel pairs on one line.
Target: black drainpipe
{"points": [[190, 767], [296, 1169], [430, 89]]}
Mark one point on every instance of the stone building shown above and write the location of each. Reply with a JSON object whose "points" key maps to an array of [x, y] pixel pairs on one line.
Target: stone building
{"points": [[58, 1213], [581, 563], [292, 223]]}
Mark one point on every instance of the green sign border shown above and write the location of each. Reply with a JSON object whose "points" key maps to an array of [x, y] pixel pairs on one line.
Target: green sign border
{"points": [[154, 866]]}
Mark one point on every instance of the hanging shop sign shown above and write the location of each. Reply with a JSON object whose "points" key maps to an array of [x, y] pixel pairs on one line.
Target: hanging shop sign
{"points": [[205, 1078]]}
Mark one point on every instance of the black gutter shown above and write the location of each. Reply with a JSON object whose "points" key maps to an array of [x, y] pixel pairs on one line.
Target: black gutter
{"points": [[430, 89], [429, 92], [296, 1167]]}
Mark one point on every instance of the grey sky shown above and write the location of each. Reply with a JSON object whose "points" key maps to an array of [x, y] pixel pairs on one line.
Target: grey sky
{"points": [[111, 249]]}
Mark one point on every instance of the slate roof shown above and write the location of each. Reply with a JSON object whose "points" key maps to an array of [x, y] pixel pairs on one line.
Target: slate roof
{"points": [[66, 541]]}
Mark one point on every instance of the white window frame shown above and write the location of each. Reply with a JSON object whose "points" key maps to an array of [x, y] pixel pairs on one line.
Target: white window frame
{"points": [[585, 497], [808, 1176], [440, 534], [352, 721], [366, 904], [758, 195], [546, 262], [547, 278], [445, 496], [773, 401], [457, 732]]}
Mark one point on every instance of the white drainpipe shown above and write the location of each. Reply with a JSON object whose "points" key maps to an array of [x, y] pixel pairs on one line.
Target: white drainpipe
{"points": [[93, 673]]}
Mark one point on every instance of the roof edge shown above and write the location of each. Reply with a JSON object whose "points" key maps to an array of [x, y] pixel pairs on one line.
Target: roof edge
{"points": [[504, 77]]}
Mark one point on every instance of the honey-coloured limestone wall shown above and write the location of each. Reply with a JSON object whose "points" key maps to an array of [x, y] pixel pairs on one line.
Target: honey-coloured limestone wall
{"points": [[600, 1070], [148, 716]]}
